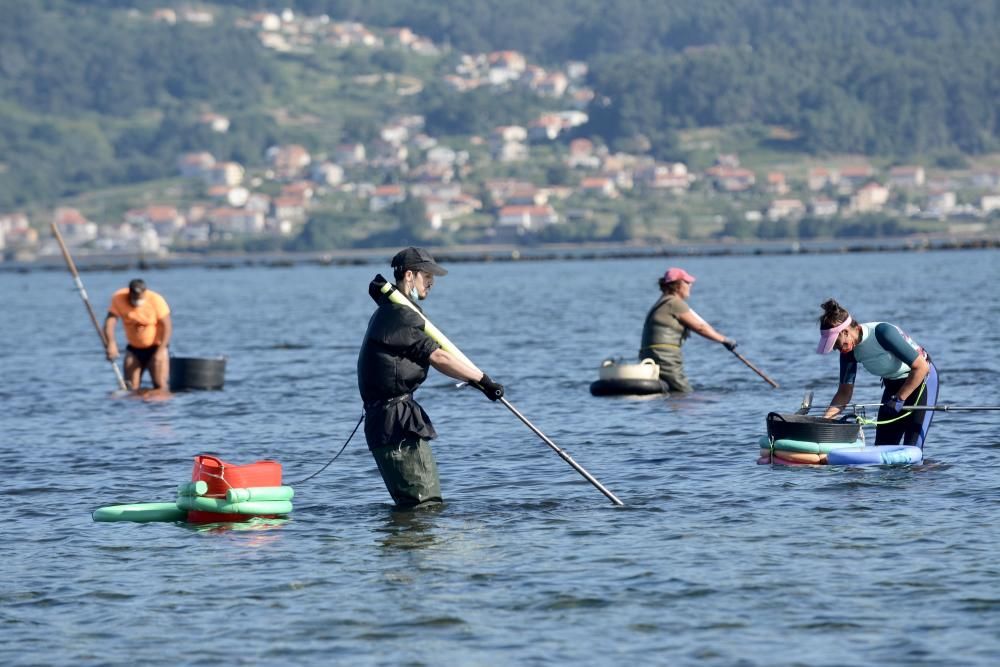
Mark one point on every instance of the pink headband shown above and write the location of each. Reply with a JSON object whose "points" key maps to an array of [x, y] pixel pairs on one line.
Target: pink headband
{"points": [[827, 337]]}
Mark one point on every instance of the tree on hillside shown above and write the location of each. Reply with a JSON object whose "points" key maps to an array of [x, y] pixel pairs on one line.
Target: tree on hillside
{"points": [[412, 216], [624, 230], [323, 231], [448, 112]]}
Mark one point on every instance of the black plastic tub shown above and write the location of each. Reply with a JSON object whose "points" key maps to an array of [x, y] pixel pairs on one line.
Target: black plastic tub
{"points": [[197, 373], [811, 429]]}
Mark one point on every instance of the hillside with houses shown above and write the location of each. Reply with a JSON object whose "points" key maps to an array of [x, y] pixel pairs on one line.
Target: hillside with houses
{"points": [[363, 135]]}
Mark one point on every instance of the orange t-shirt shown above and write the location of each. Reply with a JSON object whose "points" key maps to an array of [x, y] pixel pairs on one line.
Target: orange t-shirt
{"points": [[143, 324]]}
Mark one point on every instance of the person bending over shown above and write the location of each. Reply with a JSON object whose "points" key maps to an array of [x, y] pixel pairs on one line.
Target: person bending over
{"points": [[145, 317], [908, 375]]}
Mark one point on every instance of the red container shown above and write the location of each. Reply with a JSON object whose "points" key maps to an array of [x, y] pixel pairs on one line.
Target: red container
{"points": [[221, 476]]}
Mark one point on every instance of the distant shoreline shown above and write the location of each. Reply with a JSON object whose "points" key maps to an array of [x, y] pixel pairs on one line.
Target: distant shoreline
{"points": [[500, 253]]}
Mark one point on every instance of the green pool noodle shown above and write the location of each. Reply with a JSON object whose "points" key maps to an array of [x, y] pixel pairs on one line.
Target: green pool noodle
{"points": [[222, 506], [198, 488], [807, 447], [141, 513], [260, 493]]}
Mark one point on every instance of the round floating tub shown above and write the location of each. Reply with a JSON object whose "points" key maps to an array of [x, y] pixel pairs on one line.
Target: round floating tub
{"points": [[639, 379], [627, 387], [197, 373], [804, 428]]}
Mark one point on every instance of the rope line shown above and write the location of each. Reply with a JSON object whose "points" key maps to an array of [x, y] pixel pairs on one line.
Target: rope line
{"points": [[357, 426], [904, 415]]}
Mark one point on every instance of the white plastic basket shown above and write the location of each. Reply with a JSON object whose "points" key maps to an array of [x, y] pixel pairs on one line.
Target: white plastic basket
{"points": [[647, 369]]}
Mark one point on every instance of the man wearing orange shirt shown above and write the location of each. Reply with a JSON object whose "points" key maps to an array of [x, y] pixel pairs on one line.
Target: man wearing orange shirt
{"points": [[145, 317]]}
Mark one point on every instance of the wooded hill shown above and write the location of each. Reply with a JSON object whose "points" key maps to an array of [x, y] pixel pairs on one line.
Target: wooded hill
{"points": [[92, 98], [904, 77]]}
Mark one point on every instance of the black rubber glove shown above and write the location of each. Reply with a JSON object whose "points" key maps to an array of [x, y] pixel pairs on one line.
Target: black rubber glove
{"points": [[729, 344], [492, 389], [375, 287]]}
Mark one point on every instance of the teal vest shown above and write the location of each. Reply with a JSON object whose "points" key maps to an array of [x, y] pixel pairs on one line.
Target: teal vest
{"points": [[876, 359]]}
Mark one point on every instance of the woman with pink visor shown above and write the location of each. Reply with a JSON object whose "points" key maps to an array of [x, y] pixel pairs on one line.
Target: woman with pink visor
{"points": [[908, 375]]}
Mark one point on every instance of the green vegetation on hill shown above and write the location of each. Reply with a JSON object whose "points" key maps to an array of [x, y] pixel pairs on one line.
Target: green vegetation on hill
{"points": [[95, 94], [96, 98], [448, 112], [908, 77]]}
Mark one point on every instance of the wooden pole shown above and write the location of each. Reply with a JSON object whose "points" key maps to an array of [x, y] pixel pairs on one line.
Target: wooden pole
{"points": [[86, 302], [755, 369], [435, 333]]}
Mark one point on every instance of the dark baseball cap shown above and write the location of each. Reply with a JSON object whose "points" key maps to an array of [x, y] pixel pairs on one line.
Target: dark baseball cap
{"points": [[417, 259], [137, 286]]}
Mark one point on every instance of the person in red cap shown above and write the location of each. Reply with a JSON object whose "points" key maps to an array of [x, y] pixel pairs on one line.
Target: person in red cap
{"points": [[392, 364], [669, 323], [908, 375]]}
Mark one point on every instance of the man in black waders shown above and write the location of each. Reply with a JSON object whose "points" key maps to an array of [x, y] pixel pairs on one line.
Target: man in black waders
{"points": [[392, 364]]}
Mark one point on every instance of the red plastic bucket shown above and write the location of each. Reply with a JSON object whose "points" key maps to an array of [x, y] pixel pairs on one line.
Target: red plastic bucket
{"points": [[221, 476]]}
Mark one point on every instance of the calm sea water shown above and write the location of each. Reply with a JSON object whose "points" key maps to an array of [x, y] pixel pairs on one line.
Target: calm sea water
{"points": [[713, 560]]}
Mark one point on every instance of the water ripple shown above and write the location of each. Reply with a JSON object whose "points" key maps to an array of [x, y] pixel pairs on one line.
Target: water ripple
{"points": [[714, 559]]}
